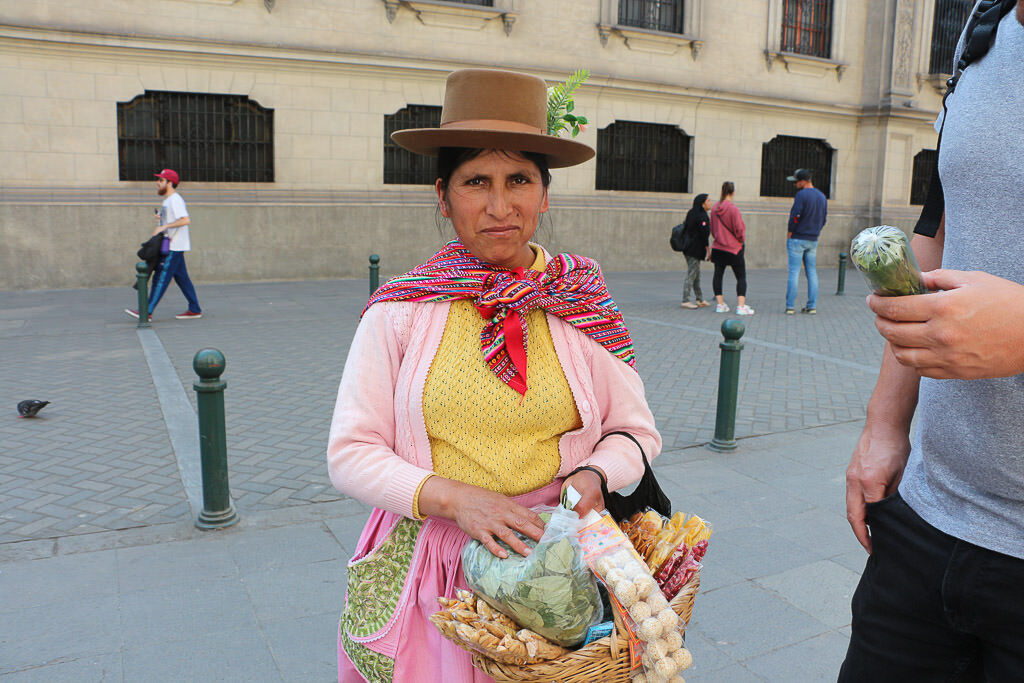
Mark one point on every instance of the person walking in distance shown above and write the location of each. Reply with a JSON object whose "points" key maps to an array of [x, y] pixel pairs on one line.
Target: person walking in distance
{"points": [[696, 231], [806, 219], [173, 218], [729, 233]]}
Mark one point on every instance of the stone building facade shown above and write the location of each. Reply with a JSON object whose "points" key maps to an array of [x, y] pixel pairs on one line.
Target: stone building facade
{"points": [[696, 92]]}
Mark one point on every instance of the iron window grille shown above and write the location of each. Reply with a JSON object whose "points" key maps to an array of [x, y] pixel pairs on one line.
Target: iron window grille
{"points": [[654, 15], [950, 19], [204, 137], [785, 154], [807, 27], [643, 157], [925, 162], [402, 167]]}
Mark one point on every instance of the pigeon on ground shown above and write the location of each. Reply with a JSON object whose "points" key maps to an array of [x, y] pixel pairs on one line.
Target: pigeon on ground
{"points": [[31, 407]]}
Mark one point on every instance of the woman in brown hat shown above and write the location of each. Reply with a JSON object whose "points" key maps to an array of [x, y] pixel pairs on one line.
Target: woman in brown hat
{"points": [[477, 386]]}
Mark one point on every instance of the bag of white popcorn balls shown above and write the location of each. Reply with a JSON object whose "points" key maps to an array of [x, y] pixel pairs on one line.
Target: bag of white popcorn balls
{"points": [[646, 611]]}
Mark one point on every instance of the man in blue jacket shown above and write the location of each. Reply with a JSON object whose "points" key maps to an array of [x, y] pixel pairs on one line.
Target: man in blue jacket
{"points": [[806, 219]]}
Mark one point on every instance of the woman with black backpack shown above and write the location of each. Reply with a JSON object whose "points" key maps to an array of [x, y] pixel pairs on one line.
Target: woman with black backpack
{"points": [[696, 231]]}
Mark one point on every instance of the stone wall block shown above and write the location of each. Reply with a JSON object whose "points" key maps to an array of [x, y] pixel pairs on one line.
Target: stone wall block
{"points": [[89, 168], [68, 85], [13, 83], [329, 123], [49, 166], [73, 140], [94, 114], [11, 109]]}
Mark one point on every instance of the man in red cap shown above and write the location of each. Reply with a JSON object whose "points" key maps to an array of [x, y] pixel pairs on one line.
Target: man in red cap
{"points": [[173, 218]]}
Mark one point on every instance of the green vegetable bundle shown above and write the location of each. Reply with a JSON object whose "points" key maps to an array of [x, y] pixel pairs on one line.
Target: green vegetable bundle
{"points": [[552, 592], [883, 255]]}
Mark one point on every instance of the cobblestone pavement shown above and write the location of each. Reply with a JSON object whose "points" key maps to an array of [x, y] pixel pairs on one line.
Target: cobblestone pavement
{"points": [[99, 457]]}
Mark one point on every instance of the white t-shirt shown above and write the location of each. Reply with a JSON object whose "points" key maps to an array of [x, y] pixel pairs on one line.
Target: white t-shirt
{"points": [[171, 210]]}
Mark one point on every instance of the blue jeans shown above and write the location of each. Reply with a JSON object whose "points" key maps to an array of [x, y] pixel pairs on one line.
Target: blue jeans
{"points": [[804, 251], [930, 607], [173, 268]]}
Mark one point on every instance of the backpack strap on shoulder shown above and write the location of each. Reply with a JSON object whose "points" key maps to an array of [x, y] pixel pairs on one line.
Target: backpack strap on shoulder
{"points": [[980, 34]]}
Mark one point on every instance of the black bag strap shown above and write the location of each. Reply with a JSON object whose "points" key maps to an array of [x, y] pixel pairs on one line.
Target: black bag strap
{"points": [[604, 480], [647, 494], [631, 438], [981, 31], [935, 202], [980, 35]]}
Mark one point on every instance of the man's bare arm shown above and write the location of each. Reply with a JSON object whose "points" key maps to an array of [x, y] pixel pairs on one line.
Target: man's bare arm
{"points": [[881, 452], [184, 220]]}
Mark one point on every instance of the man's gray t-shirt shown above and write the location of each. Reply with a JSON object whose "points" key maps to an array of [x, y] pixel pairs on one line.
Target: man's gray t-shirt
{"points": [[965, 475]]}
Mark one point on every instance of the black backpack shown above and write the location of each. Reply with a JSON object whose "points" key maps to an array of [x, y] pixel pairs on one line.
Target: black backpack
{"points": [[681, 238], [981, 33]]}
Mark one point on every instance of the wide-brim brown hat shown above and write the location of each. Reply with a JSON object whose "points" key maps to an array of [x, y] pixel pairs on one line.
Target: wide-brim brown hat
{"points": [[492, 109]]}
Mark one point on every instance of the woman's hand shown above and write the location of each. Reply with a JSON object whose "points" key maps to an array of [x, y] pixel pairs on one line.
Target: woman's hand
{"points": [[483, 514], [588, 485]]}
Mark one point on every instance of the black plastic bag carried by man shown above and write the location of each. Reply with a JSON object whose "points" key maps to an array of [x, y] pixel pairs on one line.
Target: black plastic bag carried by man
{"points": [[150, 253]]}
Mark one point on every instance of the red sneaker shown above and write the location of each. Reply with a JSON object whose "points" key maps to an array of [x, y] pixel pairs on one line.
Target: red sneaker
{"points": [[132, 312], [188, 315]]}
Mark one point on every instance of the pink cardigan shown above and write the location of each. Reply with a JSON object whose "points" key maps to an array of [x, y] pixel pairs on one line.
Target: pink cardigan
{"points": [[378, 451]]}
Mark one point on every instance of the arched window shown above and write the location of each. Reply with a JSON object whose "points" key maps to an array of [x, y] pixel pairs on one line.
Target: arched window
{"points": [[785, 154], [644, 157], [925, 162], [203, 136], [402, 167]]}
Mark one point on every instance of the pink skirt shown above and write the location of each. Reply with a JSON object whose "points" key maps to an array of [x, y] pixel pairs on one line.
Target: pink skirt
{"points": [[399, 639]]}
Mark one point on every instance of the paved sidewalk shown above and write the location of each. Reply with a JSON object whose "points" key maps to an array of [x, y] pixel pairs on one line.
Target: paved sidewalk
{"points": [[103, 576]]}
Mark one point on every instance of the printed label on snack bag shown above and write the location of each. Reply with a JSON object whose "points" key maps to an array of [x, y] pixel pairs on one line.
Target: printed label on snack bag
{"points": [[603, 536]]}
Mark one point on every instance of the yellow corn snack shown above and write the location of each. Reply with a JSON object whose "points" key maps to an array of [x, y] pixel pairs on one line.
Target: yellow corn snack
{"points": [[474, 625]]}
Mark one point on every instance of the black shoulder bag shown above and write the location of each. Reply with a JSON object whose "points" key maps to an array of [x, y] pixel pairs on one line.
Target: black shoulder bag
{"points": [[648, 493]]}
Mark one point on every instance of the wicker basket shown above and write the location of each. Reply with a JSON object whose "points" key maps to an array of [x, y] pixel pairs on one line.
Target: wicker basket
{"points": [[605, 660]]}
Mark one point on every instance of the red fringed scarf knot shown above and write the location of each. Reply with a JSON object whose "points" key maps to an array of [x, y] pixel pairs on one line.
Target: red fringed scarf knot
{"points": [[570, 287]]}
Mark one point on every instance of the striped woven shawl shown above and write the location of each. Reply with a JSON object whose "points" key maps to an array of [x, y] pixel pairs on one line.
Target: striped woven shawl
{"points": [[570, 287]]}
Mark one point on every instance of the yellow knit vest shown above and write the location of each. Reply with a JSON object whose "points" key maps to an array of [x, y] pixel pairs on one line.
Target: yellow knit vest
{"points": [[483, 432]]}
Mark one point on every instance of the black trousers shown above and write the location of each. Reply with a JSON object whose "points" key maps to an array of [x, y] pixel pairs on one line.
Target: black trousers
{"points": [[930, 607], [723, 260]]}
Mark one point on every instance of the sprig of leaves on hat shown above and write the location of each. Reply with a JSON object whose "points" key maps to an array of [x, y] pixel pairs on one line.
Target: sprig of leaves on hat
{"points": [[561, 105]]}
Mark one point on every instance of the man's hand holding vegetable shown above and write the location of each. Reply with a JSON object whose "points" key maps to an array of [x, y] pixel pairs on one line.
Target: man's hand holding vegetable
{"points": [[970, 327]]}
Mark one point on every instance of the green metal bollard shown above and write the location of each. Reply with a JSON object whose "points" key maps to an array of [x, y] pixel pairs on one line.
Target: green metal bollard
{"points": [[841, 287], [217, 509], [728, 384], [374, 273], [142, 280]]}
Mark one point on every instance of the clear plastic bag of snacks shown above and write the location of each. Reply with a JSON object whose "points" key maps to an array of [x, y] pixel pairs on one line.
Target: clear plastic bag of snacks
{"points": [[552, 592]]}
